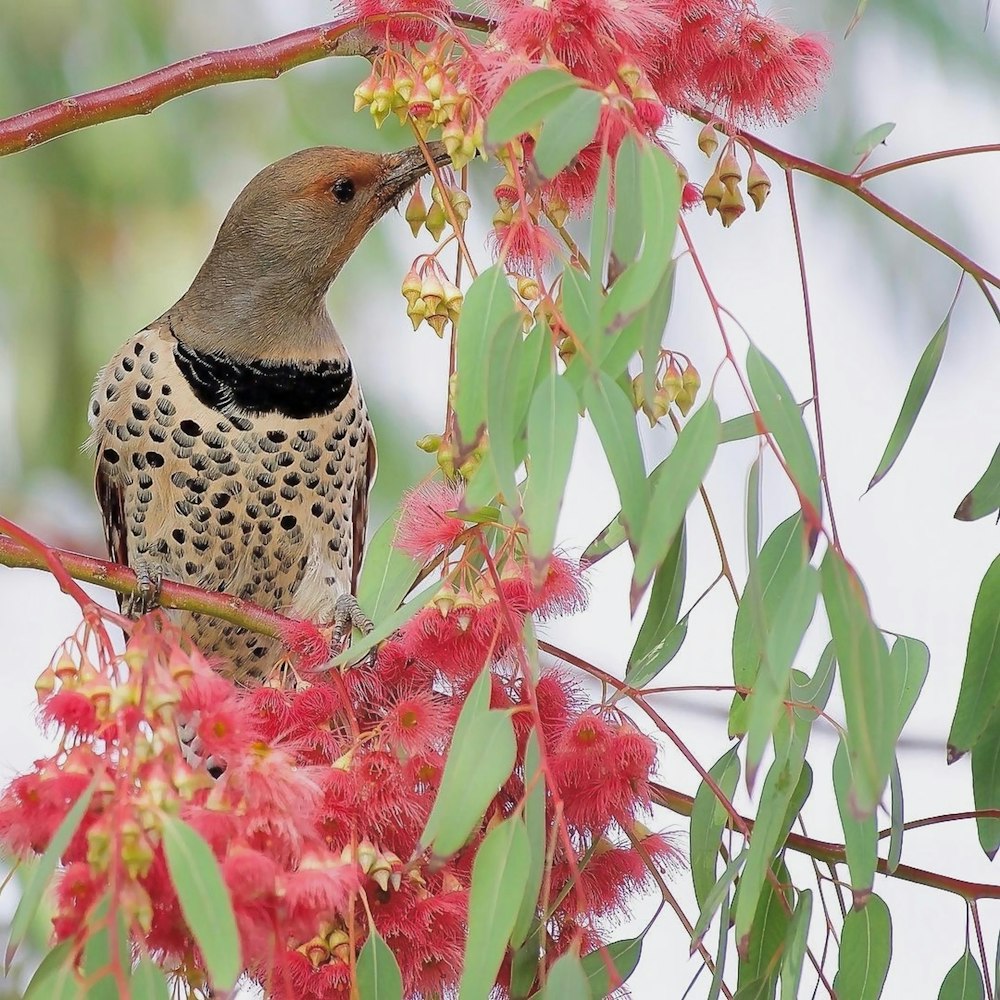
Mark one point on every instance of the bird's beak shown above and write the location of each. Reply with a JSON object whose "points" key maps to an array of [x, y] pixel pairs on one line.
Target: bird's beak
{"points": [[404, 169]]}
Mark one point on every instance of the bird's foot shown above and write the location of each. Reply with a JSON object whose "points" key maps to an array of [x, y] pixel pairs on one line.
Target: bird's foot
{"points": [[347, 615], [146, 596]]}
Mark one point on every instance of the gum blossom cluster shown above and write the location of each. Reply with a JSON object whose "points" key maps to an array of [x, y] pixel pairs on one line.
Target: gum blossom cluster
{"points": [[317, 817], [648, 58]]}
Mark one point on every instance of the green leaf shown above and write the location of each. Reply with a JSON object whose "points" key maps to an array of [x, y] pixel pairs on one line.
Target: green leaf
{"points": [[41, 874], [984, 497], [754, 498], [795, 946], [527, 101], [785, 788], [660, 193], [784, 420], [55, 978], [356, 651], [626, 236], [874, 136], [479, 761], [865, 952], [534, 823], [910, 659], [499, 875], [661, 634], [567, 979], [204, 900], [624, 956], [387, 574], [795, 607], [708, 819], [779, 563], [524, 966], [714, 898], [627, 333], [815, 690], [979, 695], [685, 469], [552, 422], [964, 980], [503, 420], [986, 790], [654, 317], [599, 224], [715, 989], [746, 426], [96, 967], [488, 308], [614, 420], [761, 948], [860, 835], [581, 304], [378, 975], [567, 129], [896, 819], [920, 383], [149, 981], [869, 684]]}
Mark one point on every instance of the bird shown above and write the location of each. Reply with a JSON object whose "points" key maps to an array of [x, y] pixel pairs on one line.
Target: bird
{"points": [[233, 450]]}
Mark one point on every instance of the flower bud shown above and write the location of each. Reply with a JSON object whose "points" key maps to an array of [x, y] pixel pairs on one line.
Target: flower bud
{"points": [[66, 669], [403, 85], [452, 136], [452, 300], [435, 221], [731, 207], [758, 185], [557, 209], [411, 284], [437, 321], [415, 215], [707, 141], [417, 311], [629, 73], [339, 943], [367, 855], [420, 103], [364, 93], [316, 950], [432, 292], [435, 82], [382, 100], [45, 684], [460, 204], [713, 193], [729, 170], [528, 288], [638, 393]]}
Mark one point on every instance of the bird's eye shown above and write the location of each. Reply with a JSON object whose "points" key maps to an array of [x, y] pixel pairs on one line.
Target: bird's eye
{"points": [[342, 189]]}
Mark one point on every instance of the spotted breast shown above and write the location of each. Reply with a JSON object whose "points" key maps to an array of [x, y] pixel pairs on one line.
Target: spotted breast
{"points": [[248, 477]]}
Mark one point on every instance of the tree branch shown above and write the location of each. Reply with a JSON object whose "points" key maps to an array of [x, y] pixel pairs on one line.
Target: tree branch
{"points": [[140, 96], [178, 596], [823, 850]]}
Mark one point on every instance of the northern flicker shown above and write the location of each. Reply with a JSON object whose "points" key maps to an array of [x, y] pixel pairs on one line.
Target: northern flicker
{"points": [[233, 448]]}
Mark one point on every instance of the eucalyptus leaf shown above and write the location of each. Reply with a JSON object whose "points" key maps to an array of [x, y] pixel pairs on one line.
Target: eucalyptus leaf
{"points": [[865, 951], [527, 101], [984, 497], [567, 129]]}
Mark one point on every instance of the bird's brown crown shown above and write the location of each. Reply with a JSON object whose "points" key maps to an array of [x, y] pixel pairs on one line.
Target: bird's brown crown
{"points": [[293, 227]]}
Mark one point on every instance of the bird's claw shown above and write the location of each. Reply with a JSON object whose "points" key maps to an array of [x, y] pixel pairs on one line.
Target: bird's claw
{"points": [[146, 596], [347, 615]]}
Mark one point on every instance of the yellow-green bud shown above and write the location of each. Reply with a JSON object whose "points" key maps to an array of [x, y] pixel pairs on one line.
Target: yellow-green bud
{"points": [[435, 221], [707, 141], [758, 185], [731, 207], [415, 214], [713, 193], [729, 169]]}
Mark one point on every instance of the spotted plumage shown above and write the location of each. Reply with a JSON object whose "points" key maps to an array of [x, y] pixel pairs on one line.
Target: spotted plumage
{"points": [[233, 448]]}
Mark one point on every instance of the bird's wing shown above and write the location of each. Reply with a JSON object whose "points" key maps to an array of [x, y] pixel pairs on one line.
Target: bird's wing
{"points": [[362, 489]]}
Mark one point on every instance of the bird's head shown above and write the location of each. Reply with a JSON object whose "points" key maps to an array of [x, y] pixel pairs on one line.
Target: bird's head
{"points": [[291, 230]]}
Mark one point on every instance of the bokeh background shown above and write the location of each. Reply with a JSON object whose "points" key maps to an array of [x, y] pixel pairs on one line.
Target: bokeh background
{"points": [[103, 229]]}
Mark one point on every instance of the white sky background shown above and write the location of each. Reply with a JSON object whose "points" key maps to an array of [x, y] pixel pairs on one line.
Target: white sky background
{"points": [[921, 567]]}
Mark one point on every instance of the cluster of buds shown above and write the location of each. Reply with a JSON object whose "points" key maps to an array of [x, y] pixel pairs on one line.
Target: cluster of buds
{"points": [[383, 867], [425, 91], [722, 191], [431, 297], [673, 386], [433, 218]]}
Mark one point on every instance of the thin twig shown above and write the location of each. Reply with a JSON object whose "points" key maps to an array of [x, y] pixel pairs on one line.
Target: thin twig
{"points": [[811, 342]]}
